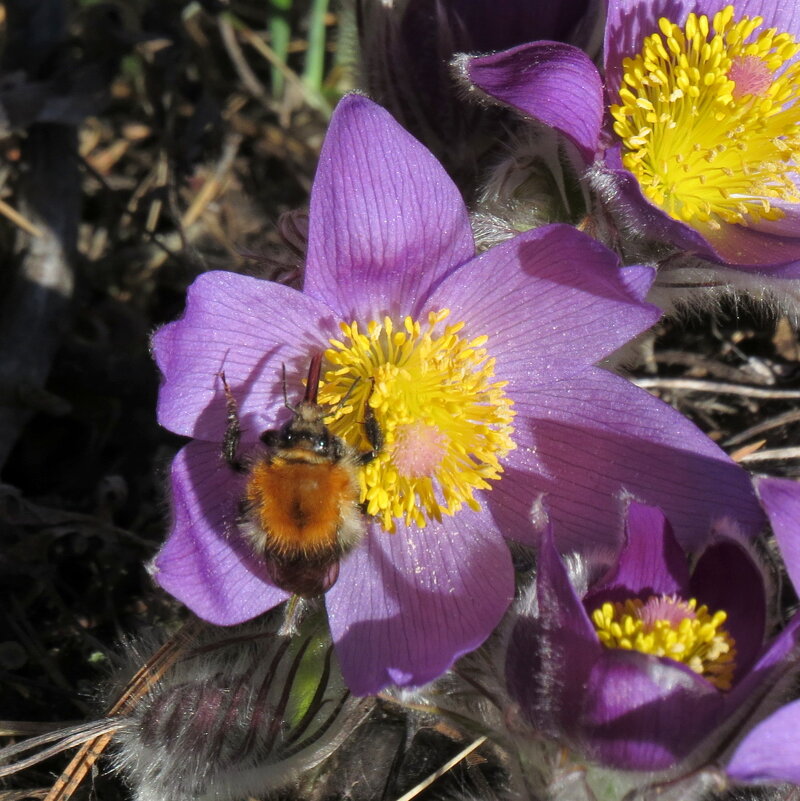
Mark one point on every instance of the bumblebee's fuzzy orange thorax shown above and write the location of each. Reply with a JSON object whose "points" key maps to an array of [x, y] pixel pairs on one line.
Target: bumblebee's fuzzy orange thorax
{"points": [[298, 505]]}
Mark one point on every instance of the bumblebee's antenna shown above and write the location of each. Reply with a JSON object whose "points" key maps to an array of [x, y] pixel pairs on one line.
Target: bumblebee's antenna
{"points": [[312, 385], [283, 384]]}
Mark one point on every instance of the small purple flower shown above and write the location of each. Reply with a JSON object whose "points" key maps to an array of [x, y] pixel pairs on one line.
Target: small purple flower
{"points": [[655, 663], [479, 372], [697, 124]]}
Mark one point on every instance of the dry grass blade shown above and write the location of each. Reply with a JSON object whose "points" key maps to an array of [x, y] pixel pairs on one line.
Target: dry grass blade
{"points": [[148, 674], [312, 98], [64, 739], [740, 454], [20, 795], [20, 220], [773, 454], [26, 728], [449, 765], [214, 185], [786, 418], [717, 388]]}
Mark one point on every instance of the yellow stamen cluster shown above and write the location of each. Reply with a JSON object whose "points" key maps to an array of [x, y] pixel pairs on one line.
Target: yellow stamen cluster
{"points": [[703, 149], [686, 634], [446, 424]]}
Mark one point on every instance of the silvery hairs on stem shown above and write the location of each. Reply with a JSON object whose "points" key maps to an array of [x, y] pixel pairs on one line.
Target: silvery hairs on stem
{"points": [[218, 713]]}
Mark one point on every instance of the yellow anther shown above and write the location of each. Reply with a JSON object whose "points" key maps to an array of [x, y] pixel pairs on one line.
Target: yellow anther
{"points": [[742, 85], [671, 627]]}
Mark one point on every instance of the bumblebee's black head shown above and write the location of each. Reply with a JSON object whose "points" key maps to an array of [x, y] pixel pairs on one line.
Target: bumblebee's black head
{"points": [[305, 431]]}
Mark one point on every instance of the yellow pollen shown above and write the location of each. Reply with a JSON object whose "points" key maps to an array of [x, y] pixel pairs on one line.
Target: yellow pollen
{"points": [[710, 121], [671, 627], [445, 421]]}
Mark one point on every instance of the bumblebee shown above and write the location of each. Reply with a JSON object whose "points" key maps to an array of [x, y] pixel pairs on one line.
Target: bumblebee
{"points": [[300, 510]]}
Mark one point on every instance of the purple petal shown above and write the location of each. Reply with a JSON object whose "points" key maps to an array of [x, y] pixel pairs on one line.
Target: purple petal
{"points": [[205, 563], [386, 222], [775, 253], [651, 562], [646, 713], [248, 328], [780, 498], [726, 578], [555, 83], [771, 751], [408, 604], [583, 442], [628, 201], [551, 655], [556, 288], [779, 659], [781, 14], [511, 500]]}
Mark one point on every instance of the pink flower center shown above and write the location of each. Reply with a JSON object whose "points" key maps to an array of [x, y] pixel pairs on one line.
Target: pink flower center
{"points": [[667, 608], [751, 75], [418, 449]]}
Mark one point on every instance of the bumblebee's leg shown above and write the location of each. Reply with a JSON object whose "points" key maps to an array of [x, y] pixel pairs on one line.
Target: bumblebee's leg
{"points": [[233, 430], [373, 431]]}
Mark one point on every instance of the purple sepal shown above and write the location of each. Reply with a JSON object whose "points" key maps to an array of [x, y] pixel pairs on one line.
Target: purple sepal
{"points": [[408, 604], [651, 562], [385, 227], [774, 662], [775, 254], [551, 655], [247, 328], [781, 500], [206, 563], [591, 437], [771, 751], [630, 204], [552, 82], [579, 305], [727, 578], [643, 712], [628, 22]]}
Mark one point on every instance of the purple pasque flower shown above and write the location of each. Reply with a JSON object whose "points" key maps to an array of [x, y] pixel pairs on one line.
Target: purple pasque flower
{"points": [[654, 664], [696, 127], [479, 372]]}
